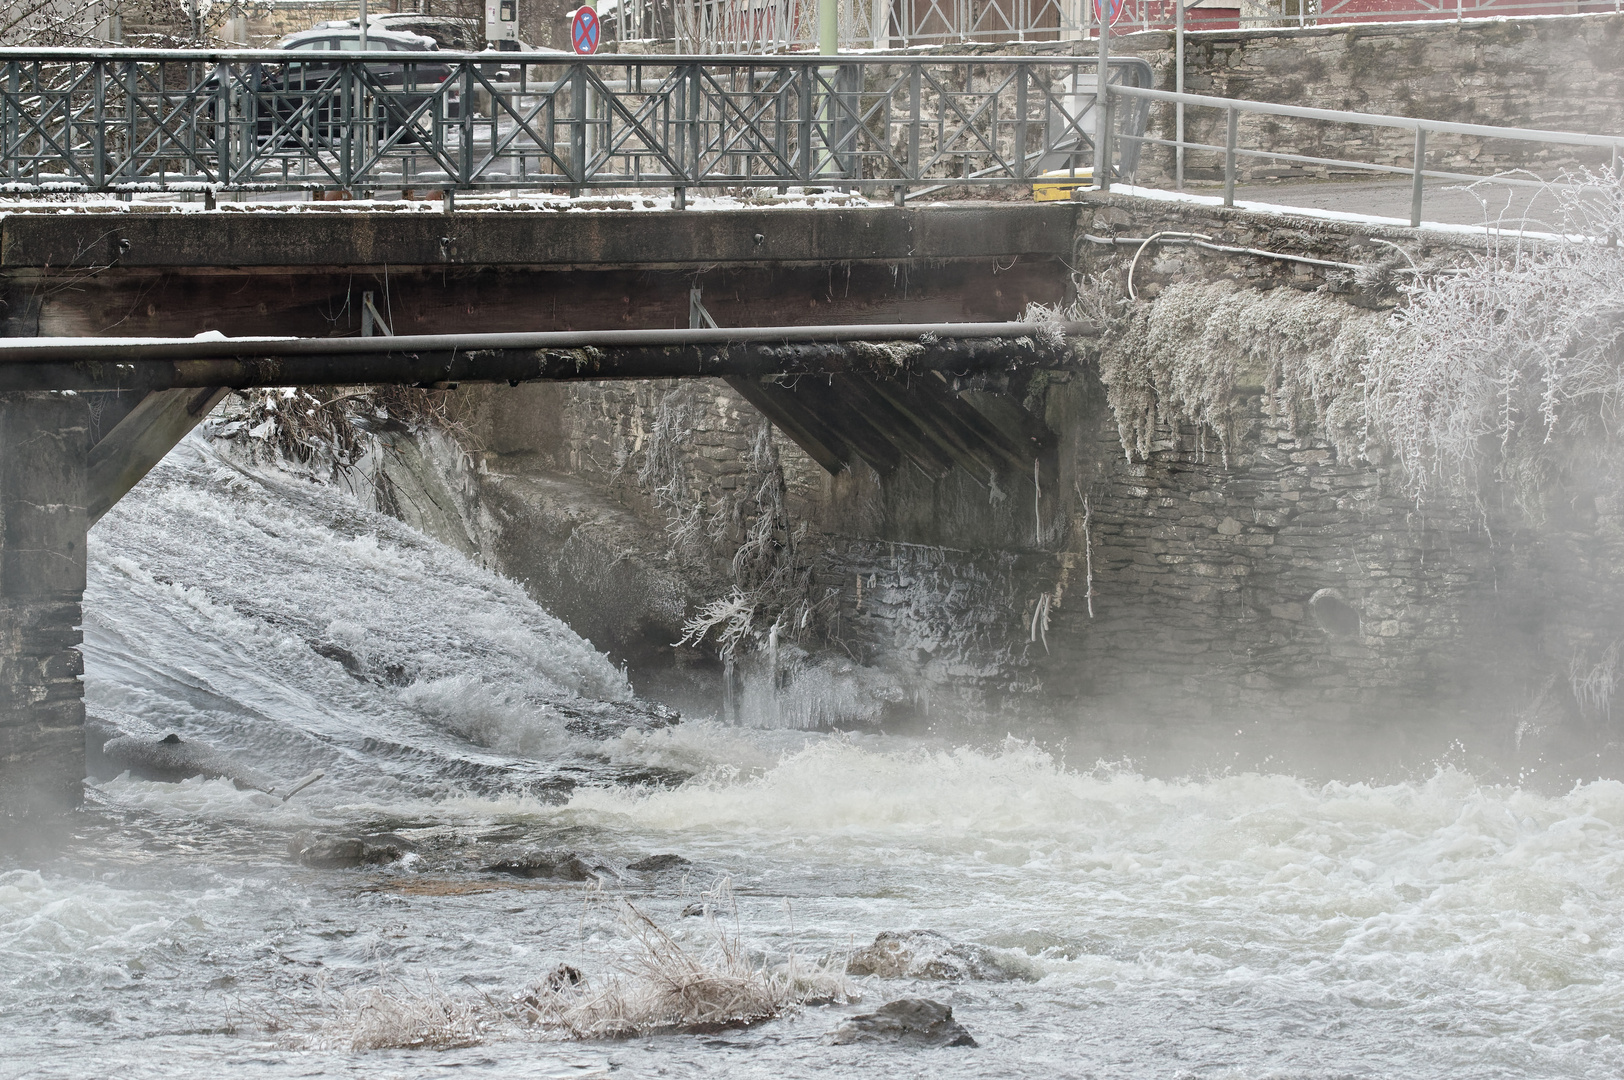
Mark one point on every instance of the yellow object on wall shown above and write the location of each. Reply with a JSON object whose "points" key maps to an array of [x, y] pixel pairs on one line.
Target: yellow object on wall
{"points": [[1058, 185]]}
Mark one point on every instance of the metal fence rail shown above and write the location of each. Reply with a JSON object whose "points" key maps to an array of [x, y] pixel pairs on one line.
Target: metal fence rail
{"points": [[756, 26], [1605, 150], [129, 120]]}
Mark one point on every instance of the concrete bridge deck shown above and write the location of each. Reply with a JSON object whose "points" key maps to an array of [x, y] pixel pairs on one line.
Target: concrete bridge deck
{"points": [[302, 272]]}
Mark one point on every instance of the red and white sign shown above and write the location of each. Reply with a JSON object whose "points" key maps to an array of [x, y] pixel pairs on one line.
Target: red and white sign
{"points": [[585, 31]]}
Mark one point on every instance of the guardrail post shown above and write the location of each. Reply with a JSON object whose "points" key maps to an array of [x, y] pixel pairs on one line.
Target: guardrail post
{"points": [[128, 165], [1102, 162], [1021, 73], [1107, 122], [578, 127], [346, 171], [467, 155], [696, 133], [914, 84], [8, 168], [1416, 186], [808, 84], [222, 112], [1229, 155], [1178, 88], [100, 140]]}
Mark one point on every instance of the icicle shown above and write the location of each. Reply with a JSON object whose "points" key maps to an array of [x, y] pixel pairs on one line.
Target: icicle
{"points": [[772, 659], [728, 703], [1037, 506], [1088, 556], [1040, 621]]}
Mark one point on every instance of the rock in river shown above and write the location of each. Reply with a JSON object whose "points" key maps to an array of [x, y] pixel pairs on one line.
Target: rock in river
{"points": [[925, 954], [559, 865], [914, 1021], [341, 852], [137, 748]]}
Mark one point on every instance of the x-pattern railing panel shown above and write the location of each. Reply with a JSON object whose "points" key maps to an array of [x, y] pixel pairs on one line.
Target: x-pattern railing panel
{"points": [[143, 120]]}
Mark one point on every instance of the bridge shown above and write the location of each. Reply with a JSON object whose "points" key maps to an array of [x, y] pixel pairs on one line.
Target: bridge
{"points": [[898, 307]]}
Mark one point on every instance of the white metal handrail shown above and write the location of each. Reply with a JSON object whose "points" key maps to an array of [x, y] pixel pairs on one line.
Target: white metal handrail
{"points": [[1406, 123], [1419, 127], [758, 26]]}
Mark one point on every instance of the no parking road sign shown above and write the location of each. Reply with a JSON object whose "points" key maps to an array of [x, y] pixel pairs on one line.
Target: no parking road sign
{"points": [[1110, 10], [584, 31]]}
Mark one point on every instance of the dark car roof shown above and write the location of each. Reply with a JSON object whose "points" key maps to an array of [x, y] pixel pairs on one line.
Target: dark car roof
{"points": [[392, 40]]}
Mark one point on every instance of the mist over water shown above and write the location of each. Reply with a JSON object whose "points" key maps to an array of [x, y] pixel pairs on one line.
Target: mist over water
{"points": [[1220, 921]]}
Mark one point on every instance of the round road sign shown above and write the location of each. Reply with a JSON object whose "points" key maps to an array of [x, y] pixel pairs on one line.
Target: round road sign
{"points": [[584, 31], [1110, 10]]}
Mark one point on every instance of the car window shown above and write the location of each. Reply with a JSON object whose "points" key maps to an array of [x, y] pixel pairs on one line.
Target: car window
{"points": [[352, 44], [314, 43]]}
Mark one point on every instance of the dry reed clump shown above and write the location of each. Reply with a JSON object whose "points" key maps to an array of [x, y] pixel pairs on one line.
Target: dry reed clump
{"points": [[1512, 369], [658, 987], [662, 987], [326, 432], [768, 601], [401, 1017]]}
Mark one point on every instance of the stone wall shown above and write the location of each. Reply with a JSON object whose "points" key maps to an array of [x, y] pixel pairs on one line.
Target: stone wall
{"points": [[1272, 581], [43, 439], [1561, 73], [1205, 566]]}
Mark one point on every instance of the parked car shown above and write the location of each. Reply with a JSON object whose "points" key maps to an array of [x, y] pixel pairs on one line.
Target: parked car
{"points": [[450, 34], [299, 91]]}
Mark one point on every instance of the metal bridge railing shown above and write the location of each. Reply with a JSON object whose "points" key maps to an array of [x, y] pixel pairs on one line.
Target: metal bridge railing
{"points": [[129, 120], [1396, 145], [755, 26]]}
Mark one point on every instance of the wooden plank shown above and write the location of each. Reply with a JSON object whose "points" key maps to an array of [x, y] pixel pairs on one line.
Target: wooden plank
{"points": [[1019, 427], [871, 444], [803, 427], [931, 416], [860, 399]]}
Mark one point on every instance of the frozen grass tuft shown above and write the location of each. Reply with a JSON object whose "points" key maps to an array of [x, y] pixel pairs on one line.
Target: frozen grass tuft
{"points": [[661, 986], [402, 1017]]}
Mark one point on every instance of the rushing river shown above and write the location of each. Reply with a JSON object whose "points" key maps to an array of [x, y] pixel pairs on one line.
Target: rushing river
{"points": [[1247, 925]]}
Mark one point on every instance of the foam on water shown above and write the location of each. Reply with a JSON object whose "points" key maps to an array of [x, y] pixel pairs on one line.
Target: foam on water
{"points": [[1246, 925], [278, 616]]}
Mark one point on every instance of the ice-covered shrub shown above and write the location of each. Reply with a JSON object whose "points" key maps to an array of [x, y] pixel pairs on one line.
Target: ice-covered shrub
{"points": [[1505, 368], [1185, 356], [1511, 369]]}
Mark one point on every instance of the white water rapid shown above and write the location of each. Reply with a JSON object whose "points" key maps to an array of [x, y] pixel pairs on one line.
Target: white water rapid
{"points": [[1226, 926]]}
